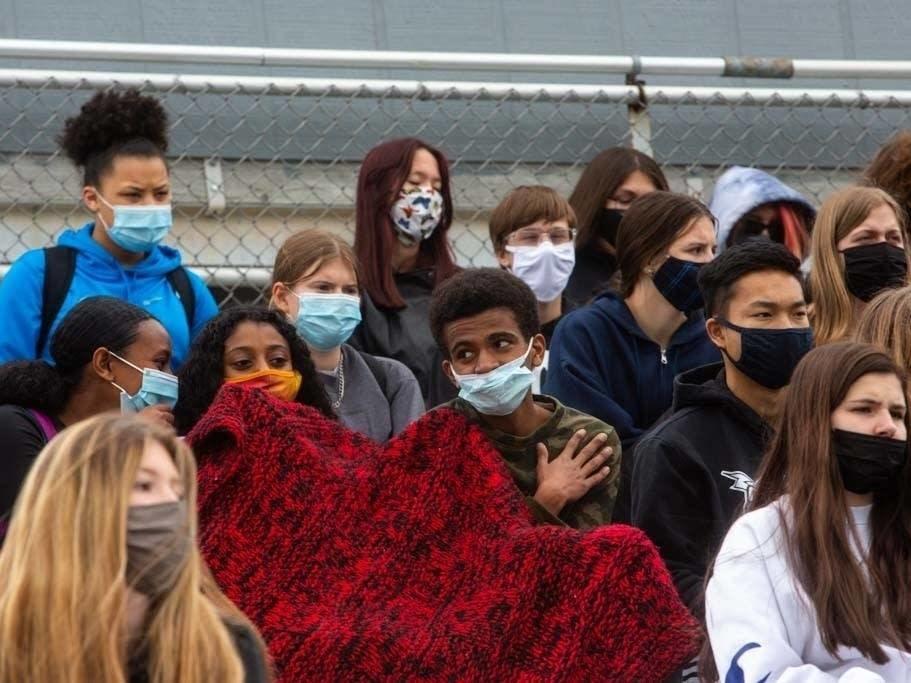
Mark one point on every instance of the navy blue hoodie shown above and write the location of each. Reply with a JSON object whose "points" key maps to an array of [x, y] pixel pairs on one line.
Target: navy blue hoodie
{"points": [[603, 364], [98, 273]]}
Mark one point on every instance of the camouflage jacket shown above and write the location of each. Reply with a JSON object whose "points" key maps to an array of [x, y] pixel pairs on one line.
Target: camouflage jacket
{"points": [[520, 455]]}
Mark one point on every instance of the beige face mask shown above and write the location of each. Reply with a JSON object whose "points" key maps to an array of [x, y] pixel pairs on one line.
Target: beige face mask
{"points": [[158, 543]]}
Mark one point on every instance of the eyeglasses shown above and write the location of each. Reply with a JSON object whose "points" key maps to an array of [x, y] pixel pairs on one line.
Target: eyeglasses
{"points": [[532, 237]]}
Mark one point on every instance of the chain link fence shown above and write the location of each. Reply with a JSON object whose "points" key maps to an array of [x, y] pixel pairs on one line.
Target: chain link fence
{"points": [[254, 161]]}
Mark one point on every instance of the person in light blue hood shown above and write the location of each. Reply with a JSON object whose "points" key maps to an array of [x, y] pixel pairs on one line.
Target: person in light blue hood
{"points": [[616, 359], [119, 140], [751, 203]]}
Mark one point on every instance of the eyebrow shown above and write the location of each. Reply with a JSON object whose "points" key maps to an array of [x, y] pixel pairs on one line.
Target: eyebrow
{"points": [[765, 303]]}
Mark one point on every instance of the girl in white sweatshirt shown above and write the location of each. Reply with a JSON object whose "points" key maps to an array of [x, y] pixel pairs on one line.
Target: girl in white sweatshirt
{"points": [[814, 583]]}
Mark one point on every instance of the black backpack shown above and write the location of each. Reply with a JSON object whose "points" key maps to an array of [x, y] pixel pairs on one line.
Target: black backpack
{"points": [[59, 268]]}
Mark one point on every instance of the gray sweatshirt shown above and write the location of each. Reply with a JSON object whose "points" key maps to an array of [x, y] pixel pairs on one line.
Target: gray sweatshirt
{"points": [[364, 407]]}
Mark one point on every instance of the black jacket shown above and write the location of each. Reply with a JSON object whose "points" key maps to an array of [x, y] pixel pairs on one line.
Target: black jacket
{"points": [[405, 336], [591, 275], [692, 474]]}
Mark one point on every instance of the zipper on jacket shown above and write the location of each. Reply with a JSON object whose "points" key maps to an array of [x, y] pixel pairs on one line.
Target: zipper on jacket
{"points": [[663, 356]]}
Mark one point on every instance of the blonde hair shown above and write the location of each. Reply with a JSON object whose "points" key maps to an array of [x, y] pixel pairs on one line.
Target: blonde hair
{"points": [[62, 570], [833, 306], [307, 251], [886, 322]]}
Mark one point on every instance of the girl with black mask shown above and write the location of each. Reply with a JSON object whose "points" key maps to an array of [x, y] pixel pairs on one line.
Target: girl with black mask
{"points": [[609, 184], [859, 248], [812, 583]]}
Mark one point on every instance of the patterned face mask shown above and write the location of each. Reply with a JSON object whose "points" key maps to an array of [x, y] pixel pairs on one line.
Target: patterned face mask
{"points": [[416, 214]]}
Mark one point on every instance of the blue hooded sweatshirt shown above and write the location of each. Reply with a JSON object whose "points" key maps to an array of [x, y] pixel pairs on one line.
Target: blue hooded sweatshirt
{"points": [[97, 273], [603, 364]]}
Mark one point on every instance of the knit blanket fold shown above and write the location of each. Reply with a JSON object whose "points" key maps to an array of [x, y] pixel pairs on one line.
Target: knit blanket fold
{"points": [[417, 559]]}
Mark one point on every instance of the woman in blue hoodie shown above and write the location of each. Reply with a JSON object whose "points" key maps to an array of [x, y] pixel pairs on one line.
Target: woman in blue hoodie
{"points": [[617, 358], [119, 141]]}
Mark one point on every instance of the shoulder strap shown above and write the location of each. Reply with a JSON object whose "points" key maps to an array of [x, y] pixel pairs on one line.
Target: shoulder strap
{"points": [[59, 268], [45, 423], [180, 281], [378, 372]]}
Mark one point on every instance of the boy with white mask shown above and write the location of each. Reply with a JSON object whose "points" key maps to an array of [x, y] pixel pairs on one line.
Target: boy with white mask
{"points": [[566, 463], [532, 231]]}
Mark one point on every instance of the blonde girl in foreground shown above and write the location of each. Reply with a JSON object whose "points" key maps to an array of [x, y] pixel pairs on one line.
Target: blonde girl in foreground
{"points": [[100, 577]]}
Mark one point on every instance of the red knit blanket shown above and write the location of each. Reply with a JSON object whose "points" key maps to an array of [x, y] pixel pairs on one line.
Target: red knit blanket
{"points": [[418, 559]]}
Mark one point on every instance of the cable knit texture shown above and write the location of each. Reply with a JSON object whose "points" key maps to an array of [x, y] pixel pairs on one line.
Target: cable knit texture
{"points": [[418, 559]]}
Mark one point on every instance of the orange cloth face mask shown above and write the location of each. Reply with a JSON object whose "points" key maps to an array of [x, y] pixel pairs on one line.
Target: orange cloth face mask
{"points": [[281, 383]]}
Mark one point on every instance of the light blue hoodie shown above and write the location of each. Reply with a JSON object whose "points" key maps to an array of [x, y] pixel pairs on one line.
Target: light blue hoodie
{"points": [[740, 190], [97, 273]]}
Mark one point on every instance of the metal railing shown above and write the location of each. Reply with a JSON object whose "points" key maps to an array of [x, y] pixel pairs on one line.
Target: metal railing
{"points": [[256, 157]]}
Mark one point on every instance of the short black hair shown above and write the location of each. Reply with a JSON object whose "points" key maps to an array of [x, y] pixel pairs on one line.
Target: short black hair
{"points": [[114, 123], [476, 290], [717, 278]]}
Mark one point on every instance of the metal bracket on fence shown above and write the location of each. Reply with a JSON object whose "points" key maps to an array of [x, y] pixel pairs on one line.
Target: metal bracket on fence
{"points": [[215, 187], [640, 124], [695, 186]]}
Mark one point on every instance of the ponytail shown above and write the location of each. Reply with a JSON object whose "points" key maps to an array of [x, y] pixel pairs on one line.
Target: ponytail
{"points": [[34, 384]]}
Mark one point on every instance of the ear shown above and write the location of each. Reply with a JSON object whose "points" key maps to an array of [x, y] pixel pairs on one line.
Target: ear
{"points": [[90, 199], [101, 364], [447, 369], [504, 258], [716, 333], [281, 298], [538, 349]]}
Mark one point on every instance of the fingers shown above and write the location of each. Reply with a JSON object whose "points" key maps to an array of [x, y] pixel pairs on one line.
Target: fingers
{"points": [[569, 451], [592, 466], [598, 477], [542, 454], [591, 448]]}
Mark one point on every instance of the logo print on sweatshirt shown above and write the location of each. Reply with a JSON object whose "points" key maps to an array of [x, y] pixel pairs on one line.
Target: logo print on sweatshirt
{"points": [[742, 482]]}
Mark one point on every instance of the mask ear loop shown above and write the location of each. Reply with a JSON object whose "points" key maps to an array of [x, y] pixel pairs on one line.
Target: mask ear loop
{"points": [[126, 362], [110, 206]]}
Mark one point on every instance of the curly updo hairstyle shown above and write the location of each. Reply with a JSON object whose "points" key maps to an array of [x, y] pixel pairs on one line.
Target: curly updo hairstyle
{"points": [[113, 124]]}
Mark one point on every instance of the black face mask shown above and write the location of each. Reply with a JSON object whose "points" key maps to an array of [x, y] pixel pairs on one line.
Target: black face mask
{"points": [[869, 464], [874, 267], [606, 223], [677, 281], [768, 357]]}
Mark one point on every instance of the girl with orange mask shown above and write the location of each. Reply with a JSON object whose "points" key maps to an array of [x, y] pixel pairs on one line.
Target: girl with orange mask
{"points": [[251, 347]]}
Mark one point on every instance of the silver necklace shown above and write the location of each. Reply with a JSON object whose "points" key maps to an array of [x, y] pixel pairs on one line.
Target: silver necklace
{"points": [[340, 387]]}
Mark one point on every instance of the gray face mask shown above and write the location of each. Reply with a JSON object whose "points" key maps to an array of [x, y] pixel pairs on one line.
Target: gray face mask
{"points": [[158, 543]]}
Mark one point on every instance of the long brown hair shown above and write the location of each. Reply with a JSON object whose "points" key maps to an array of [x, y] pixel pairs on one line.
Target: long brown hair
{"points": [[62, 570], [891, 168], [833, 305], [886, 322], [601, 178], [383, 174], [851, 610], [649, 227]]}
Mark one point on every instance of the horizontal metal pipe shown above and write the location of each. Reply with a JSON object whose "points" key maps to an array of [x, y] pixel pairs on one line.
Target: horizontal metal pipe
{"points": [[456, 90], [737, 66]]}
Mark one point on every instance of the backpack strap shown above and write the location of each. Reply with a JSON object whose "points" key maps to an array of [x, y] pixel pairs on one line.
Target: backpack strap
{"points": [[378, 372], [180, 281], [59, 268]]}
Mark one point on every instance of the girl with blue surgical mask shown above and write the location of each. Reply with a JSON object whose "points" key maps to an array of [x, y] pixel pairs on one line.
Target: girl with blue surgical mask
{"points": [[108, 355], [315, 284], [118, 140]]}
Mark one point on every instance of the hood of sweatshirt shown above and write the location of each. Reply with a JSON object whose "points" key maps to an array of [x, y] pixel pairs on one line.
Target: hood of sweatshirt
{"points": [[740, 190]]}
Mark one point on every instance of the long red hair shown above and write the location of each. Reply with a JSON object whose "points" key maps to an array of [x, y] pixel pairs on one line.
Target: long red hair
{"points": [[383, 174]]}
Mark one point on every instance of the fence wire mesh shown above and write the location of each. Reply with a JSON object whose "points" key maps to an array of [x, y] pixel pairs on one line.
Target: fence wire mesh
{"points": [[252, 165]]}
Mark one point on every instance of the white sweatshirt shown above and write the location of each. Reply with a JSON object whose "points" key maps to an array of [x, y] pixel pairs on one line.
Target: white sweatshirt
{"points": [[760, 622]]}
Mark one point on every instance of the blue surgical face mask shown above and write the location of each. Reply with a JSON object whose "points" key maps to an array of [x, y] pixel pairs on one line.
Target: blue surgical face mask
{"points": [[138, 228], [326, 321], [500, 391], [157, 388]]}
